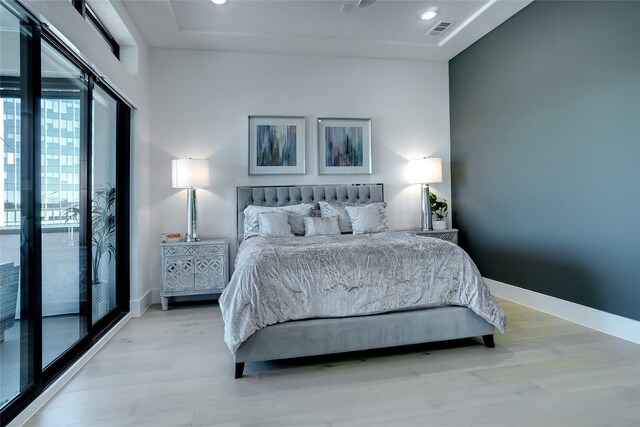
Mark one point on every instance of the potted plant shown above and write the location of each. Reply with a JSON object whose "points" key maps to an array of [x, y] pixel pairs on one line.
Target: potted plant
{"points": [[103, 229], [439, 210]]}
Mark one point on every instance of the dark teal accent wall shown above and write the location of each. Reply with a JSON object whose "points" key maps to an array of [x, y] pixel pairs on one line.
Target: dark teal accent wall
{"points": [[545, 149]]}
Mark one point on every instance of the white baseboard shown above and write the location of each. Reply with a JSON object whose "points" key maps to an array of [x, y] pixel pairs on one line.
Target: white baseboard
{"points": [[139, 306], [50, 391], [155, 296], [618, 326]]}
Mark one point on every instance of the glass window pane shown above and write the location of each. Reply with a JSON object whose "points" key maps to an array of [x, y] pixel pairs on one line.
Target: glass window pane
{"points": [[103, 220], [15, 321], [99, 33], [64, 275]]}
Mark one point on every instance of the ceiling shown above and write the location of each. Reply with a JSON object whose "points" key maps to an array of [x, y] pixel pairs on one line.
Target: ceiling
{"points": [[385, 29]]}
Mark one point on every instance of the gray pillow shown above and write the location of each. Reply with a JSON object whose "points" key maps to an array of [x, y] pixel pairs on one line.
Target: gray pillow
{"points": [[337, 209], [327, 226], [296, 212], [365, 219], [274, 224]]}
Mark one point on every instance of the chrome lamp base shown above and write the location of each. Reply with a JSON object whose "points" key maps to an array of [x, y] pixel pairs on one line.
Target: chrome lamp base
{"points": [[426, 222], [192, 217]]}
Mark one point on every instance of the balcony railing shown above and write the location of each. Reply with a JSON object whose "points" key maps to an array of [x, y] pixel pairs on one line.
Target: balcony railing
{"points": [[60, 272], [49, 217]]}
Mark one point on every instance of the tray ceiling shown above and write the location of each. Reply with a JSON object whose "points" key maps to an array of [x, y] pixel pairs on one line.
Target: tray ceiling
{"points": [[384, 29]]}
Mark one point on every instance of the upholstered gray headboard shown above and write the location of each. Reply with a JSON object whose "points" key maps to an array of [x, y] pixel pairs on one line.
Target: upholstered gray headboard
{"points": [[293, 195]]}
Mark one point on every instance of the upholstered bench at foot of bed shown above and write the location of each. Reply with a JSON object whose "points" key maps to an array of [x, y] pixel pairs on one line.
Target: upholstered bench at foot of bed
{"points": [[339, 335]]}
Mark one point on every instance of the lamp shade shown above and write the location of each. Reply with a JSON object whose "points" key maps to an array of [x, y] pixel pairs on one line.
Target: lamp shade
{"points": [[190, 173], [425, 170]]}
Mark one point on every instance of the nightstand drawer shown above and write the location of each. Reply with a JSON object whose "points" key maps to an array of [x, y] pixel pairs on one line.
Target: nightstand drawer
{"points": [[193, 248]]}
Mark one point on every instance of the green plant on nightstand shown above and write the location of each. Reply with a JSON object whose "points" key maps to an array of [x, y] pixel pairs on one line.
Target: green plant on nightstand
{"points": [[440, 210]]}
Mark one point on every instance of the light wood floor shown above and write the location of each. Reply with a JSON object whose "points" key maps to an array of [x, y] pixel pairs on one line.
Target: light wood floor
{"points": [[173, 369], [58, 332]]}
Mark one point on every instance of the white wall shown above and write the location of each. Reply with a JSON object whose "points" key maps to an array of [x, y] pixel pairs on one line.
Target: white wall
{"points": [[199, 106], [131, 80]]}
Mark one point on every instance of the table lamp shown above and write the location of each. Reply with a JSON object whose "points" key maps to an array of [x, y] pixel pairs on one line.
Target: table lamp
{"points": [[425, 171], [190, 174]]}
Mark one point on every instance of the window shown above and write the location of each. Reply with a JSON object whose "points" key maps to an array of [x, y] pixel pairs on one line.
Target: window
{"points": [[64, 152], [62, 136], [96, 24]]}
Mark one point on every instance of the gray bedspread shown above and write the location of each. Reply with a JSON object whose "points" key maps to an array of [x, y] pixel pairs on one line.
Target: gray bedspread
{"points": [[282, 279]]}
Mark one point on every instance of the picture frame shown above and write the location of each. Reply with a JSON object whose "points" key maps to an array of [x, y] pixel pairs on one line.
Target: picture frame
{"points": [[277, 145], [344, 146]]}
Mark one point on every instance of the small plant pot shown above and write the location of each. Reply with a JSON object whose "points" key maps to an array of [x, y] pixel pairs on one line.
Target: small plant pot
{"points": [[440, 225], [100, 303]]}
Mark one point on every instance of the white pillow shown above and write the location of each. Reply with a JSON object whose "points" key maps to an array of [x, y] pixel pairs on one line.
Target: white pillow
{"points": [[274, 224], [365, 219], [296, 212], [337, 209], [315, 226]]}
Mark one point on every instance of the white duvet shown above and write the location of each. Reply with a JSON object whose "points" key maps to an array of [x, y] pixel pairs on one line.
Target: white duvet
{"points": [[282, 279]]}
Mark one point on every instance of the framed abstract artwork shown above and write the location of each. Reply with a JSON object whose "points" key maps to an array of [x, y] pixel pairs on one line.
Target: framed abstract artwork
{"points": [[344, 146], [276, 145]]}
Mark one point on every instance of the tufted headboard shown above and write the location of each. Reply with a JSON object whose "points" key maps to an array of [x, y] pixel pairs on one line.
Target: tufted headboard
{"points": [[296, 194]]}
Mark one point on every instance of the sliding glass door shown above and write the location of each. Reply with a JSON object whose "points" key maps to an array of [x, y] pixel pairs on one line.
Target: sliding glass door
{"points": [[64, 211], [16, 153], [103, 199], [63, 208]]}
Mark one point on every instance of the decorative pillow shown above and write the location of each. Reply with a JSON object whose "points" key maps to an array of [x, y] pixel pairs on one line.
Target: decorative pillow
{"points": [[337, 209], [315, 226], [296, 212], [365, 219], [274, 224], [316, 211]]}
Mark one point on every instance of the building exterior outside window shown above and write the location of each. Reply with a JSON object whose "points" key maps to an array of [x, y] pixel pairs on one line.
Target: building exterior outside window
{"points": [[60, 159]]}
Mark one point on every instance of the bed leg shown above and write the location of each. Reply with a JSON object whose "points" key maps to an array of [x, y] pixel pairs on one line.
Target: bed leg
{"points": [[488, 340], [239, 370]]}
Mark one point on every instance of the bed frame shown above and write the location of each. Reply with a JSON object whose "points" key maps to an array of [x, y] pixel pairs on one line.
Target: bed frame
{"points": [[314, 337]]}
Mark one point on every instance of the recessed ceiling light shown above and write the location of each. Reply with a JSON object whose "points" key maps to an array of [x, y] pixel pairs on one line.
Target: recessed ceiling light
{"points": [[430, 14], [219, 1]]}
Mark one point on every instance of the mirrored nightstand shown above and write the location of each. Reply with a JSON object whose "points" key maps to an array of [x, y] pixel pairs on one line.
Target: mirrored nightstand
{"points": [[194, 268], [450, 235]]}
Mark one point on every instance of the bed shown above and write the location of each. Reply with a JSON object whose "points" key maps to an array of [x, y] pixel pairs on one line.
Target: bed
{"points": [[273, 311]]}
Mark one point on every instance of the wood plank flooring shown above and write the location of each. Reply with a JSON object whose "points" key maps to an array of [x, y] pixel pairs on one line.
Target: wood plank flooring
{"points": [[173, 369]]}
